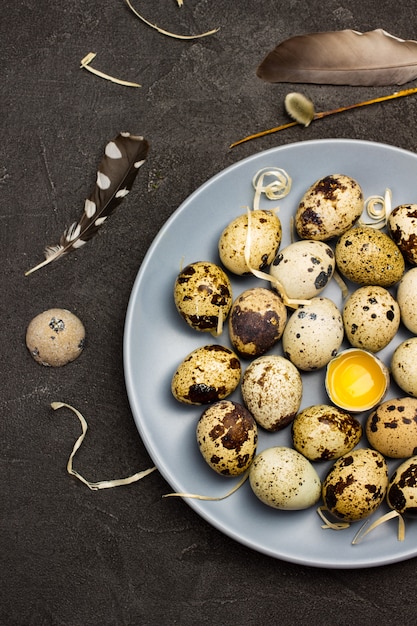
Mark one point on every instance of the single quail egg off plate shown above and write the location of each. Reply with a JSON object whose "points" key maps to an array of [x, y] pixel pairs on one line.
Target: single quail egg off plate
{"points": [[157, 339]]}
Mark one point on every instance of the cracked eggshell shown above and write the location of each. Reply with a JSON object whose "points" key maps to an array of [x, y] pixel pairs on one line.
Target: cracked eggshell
{"points": [[304, 268], [272, 390], [356, 485], [329, 207], [402, 488], [407, 299], [265, 239], [202, 295], [313, 334], [284, 479], [402, 226], [256, 322], [371, 318], [207, 374], [323, 432], [391, 428], [367, 256], [227, 435]]}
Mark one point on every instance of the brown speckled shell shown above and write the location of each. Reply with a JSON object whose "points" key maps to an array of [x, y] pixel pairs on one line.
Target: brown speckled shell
{"points": [[391, 428], [356, 485], [329, 208], [402, 226], [227, 436], [402, 489], [55, 337]]}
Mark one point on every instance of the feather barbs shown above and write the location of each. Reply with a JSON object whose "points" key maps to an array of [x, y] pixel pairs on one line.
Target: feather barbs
{"points": [[345, 57], [123, 156]]}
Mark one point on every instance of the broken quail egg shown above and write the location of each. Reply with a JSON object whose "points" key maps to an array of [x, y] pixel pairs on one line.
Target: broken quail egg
{"points": [[259, 242], [313, 334], [329, 207], [304, 268], [356, 380], [227, 436], [284, 479]]}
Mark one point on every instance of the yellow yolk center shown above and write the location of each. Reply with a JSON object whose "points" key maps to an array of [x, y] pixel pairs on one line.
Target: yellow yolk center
{"points": [[355, 380]]}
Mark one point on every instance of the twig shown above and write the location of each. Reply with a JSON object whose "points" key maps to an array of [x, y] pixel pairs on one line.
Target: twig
{"points": [[318, 116]]}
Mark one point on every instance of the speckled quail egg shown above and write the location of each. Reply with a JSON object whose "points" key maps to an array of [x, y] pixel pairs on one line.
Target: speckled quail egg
{"points": [[403, 366], [402, 226], [371, 318], [313, 334], [323, 432], [329, 207], [304, 268], [203, 296], [227, 436], [391, 428], [356, 485], [368, 256], [407, 299], [264, 239], [256, 322], [207, 374], [402, 488], [272, 391], [284, 479], [55, 337]]}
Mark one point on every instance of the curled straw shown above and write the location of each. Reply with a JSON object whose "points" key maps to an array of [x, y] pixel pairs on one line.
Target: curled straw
{"points": [[318, 116]]}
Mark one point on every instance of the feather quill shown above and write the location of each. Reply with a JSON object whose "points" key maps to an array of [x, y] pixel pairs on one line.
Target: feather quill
{"points": [[345, 57], [116, 174]]}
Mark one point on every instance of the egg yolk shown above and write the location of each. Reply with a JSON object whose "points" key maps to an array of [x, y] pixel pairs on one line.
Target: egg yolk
{"points": [[356, 381]]}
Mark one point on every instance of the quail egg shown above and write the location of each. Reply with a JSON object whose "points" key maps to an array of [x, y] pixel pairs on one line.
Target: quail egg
{"points": [[262, 240], [402, 226], [402, 488], [55, 337], [272, 391], [256, 322], [227, 436], [329, 207], [304, 268], [391, 428], [403, 366], [207, 374], [203, 296], [371, 318], [284, 479], [313, 334], [407, 299], [356, 485], [368, 256], [323, 432]]}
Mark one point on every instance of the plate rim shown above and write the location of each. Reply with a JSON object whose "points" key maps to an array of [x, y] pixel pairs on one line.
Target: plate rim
{"points": [[196, 505]]}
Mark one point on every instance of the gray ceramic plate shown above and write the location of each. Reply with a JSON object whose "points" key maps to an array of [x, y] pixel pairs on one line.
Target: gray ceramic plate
{"points": [[157, 339]]}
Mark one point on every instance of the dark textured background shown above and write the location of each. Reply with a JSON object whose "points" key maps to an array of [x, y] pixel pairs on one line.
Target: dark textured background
{"points": [[69, 556]]}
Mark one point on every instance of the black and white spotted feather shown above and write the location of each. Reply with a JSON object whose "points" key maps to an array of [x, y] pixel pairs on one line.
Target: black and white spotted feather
{"points": [[123, 156]]}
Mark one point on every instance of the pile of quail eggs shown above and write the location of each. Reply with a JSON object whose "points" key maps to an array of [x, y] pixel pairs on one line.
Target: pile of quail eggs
{"points": [[380, 268]]}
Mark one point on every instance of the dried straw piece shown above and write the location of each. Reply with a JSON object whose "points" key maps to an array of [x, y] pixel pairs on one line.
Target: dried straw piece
{"points": [[197, 496], [328, 523], [366, 528], [102, 484], [85, 64], [166, 32]]}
